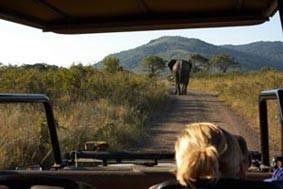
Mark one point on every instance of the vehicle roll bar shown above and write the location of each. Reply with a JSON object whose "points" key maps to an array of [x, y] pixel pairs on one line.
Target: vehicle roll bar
{"points": [[275, 94], [280, 9], [119, 156], [38, 98]]}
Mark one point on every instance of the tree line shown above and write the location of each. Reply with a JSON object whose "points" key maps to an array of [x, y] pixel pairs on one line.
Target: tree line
{"points": [[154, 65]]}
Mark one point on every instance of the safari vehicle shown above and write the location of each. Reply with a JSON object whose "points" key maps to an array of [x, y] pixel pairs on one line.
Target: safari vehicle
{"points": [[78, 17]]}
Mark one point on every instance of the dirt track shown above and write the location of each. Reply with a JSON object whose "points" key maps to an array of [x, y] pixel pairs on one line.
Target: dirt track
{"points": [[195, 107]]}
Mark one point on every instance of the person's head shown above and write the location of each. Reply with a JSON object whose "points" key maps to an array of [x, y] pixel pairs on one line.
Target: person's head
{"points": [[246, 161], [206, 152]]}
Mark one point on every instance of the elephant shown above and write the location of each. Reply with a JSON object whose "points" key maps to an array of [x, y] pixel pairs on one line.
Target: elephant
{"points": [[181, 71]]}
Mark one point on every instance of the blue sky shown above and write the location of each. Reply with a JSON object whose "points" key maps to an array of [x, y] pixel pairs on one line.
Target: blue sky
{"points": [[22, 44]]}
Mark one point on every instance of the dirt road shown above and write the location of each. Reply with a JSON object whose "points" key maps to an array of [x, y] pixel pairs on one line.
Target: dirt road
{"points": [[195, 107]]}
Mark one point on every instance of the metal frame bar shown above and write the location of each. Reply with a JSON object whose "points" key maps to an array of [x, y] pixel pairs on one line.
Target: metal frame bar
{"points": [[143, 22], [275, 94], [119, 156], [38, 98], [280, 8]]}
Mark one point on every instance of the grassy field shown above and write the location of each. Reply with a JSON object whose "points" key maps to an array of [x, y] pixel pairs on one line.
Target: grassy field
{"points": [[93, 105], [240, 91], [89, 105]]}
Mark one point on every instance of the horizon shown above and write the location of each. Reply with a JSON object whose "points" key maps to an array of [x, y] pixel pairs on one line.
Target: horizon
{"points": [[210, 43], [31, 45]]}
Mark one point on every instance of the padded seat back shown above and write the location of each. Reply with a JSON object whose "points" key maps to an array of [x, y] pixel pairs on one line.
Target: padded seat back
{"points": [[224, 184]]}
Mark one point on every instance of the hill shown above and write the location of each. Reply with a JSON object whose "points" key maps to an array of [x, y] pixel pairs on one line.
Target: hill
{"points": [[251, 56]]}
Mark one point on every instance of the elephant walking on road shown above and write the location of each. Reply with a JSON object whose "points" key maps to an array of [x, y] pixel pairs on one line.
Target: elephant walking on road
{"points": [[181, 71]]}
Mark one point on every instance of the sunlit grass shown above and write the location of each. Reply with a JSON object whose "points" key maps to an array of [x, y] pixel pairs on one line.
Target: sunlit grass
{"points": [[241, 92], [89, 105]]}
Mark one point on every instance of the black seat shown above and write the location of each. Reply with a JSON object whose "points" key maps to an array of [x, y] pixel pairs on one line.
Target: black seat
{"points": [[15, 181], [224, 184]]}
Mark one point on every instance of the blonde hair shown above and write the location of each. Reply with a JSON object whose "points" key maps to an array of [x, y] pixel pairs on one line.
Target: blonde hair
{"points": [[204, 151]]}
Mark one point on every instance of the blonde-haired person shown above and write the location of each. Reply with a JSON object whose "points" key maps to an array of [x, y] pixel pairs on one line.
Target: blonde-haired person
{"points": [[206, 152]]}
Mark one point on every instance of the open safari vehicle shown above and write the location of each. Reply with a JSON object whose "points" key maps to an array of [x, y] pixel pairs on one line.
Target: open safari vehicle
{"points": [[138, 170]]}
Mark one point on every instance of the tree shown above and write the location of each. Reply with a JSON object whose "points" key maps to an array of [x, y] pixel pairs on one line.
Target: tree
{"points": [[153, 65], [200, 62], [111, 64], [222, 61]]}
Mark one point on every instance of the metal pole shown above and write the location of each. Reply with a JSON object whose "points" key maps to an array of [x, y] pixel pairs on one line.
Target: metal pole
{"points": [[280, 8], [263, 123], [53, 133], [280, 104]]}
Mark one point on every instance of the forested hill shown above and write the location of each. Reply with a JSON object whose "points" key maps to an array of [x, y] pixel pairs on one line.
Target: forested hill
{"points": [[251, 56]]}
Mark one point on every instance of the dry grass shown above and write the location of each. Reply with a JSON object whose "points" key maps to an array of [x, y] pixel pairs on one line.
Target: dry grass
{"points": [[18, 138], [240, 91], [96, 106]]}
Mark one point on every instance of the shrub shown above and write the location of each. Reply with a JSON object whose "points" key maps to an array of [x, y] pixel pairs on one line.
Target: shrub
{"points": [[89, 105]]}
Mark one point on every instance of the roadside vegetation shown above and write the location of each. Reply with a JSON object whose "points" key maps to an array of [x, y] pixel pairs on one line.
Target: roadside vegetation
{"points": [[153, 65], [90, 105], [241, 90]]}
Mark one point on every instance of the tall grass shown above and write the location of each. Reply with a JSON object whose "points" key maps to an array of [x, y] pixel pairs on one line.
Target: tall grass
{"points": [[89, 105], [241, 92], [18, 141]]}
